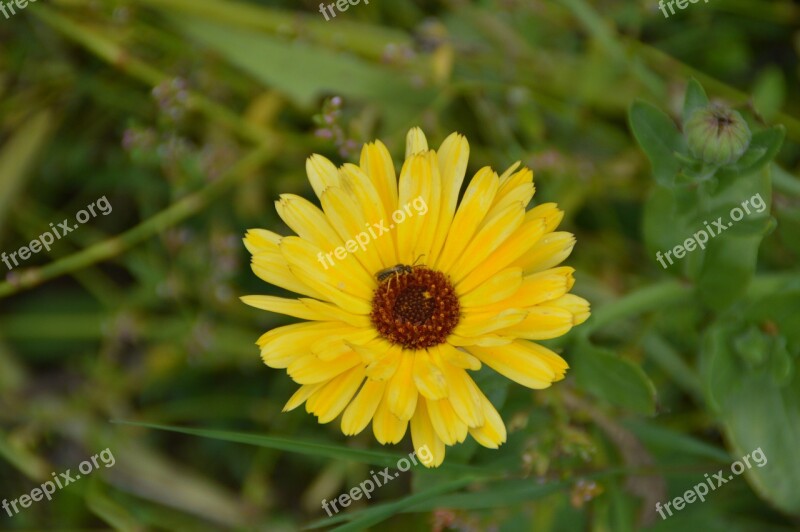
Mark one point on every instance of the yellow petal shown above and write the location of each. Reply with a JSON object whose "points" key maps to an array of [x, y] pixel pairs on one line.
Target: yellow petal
{"points": [[331, 399], [301, 395], [549, 251], [509, 172], [333, 313], [282, 305], [429, 448], [341, 342], [544, 286], [541, 323], [321, 174], [485, 340], [481, 323], [519, 362], [283, 345], [270, 266], [497, 288], [558, 364], [311, 370], [516, 188], [493, 432], [349, 221], [415, 182], [401, 394], [308, 221], [490, 237], [469, 216], [350, 303], [448, 426], [549, 212], [415, 142], [512, 249], [260, 240], [458, 357], [377, 163], [577, 306], [387, 427], [463, 393], [428, 378], [385, 367], [452, 156], [359, 413], [356, 183]]}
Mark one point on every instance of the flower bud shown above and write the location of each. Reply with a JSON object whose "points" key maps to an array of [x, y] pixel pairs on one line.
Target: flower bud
{"points": [[717, 135]]}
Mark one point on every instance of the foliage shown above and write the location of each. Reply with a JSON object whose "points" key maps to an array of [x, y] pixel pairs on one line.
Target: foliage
{"points": [[192, 116]]}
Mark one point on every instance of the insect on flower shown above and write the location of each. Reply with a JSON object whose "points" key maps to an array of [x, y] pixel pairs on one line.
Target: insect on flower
{"points": [[397, 269]]}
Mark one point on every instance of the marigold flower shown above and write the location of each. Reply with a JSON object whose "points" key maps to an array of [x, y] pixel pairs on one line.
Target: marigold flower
{"points": [[401, 304]]}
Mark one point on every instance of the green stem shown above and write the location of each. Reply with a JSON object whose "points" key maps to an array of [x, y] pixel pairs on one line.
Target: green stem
{"points": [[119, 58], [173, 214]]}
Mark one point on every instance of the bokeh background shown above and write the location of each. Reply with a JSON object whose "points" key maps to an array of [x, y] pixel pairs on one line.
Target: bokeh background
{"points": [[191, 116]]}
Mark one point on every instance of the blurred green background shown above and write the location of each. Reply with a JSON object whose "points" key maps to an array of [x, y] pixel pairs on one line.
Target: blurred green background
{"points": [[191, 116]]}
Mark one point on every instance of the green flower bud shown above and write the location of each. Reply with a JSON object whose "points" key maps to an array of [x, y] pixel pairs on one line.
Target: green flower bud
{"points": [[717, 135]]}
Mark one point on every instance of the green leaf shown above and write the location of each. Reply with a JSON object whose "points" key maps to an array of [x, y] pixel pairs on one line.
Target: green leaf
{"points": [[371, 516], [764, 146], [19, 155], [757, 408], [658, 437], [109, 510], [304, 72], [730, 258], [308, 447], [659, 138], [730, 263], [695, 99], [769, 93], [613, 379]]}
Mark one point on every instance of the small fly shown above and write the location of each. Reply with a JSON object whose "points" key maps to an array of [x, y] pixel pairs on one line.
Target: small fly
{"points": [[397, 269]]}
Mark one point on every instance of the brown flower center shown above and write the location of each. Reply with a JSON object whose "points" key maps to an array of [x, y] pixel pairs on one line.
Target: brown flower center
{"points": [[415, 307]]}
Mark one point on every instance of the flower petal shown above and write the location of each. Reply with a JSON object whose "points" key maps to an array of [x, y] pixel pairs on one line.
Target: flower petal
{"points": [[387, 427], [469, 216], [577, 306], [359, 413], [493, 432], [541, 323], [518, 361], [429, 448], [329, 401], [500, 286], [415, 142], [428, 377], [401, 394], [453, 156], [448, 426], [549, 251], [310, 369], [321, 173], [377, 163]]}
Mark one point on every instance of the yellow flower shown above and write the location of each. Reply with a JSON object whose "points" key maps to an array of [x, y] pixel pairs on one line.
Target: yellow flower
{"points": [[407, 290]]}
